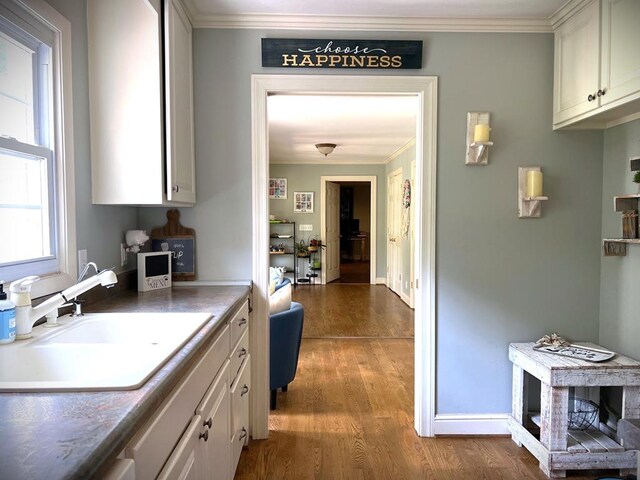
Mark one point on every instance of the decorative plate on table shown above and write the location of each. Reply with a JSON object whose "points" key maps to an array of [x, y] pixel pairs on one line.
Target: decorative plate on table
{"points": [[579, 352]]}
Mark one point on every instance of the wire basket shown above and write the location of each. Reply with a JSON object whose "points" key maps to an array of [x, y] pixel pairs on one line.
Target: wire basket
{"points": [[582, 413]]}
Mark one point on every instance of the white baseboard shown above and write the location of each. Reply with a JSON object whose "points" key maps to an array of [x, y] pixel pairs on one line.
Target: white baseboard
{"points": [[381, 281], [405, 298], [471, 424]]}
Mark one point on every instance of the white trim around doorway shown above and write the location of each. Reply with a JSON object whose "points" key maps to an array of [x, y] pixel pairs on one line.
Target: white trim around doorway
{"points": [[425, 89], [373, 181]]}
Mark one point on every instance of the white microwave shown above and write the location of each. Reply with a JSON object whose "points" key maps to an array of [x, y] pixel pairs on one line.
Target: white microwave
{"points": [[154, 271]]}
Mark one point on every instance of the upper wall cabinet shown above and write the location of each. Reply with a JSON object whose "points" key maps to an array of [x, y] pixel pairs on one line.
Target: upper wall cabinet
{"points": [[597, 65], [141, 102]]}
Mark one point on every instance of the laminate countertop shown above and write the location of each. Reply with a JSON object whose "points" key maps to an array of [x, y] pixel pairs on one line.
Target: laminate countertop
{"points": [[73, 435]]}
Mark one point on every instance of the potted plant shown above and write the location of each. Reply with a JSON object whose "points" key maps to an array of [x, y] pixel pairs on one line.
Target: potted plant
{"points": [[315, 244], [301, 249]]}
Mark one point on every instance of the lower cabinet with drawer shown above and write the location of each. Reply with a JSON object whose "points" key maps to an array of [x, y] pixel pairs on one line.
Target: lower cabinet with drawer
{"points": [[199, 430]]}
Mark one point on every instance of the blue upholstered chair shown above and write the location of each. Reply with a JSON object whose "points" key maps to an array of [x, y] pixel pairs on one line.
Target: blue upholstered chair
{"points": [[285, 338]]}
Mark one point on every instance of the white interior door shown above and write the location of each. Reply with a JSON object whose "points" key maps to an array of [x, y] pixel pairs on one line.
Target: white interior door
{"points": [[394, 252], [333, 231]]}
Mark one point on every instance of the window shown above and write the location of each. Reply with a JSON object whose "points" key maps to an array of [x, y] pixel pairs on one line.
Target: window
{"points": [[37, 223]]}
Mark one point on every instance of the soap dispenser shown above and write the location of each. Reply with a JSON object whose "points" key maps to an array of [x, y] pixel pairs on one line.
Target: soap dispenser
{"points": [[7, 318]]}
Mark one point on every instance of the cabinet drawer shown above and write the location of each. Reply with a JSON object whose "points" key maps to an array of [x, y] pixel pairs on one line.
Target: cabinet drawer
{"points": [[153, 444], [239, 353], [239, 324], [240, 400]]}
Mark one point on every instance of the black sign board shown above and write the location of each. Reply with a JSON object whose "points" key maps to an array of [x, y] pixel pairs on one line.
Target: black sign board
{"points": [[370, 54], [182, 254]]}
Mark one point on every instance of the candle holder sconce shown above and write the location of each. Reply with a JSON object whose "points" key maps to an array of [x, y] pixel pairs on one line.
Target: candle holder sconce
{"points": [[530, 192], [478, 139]]}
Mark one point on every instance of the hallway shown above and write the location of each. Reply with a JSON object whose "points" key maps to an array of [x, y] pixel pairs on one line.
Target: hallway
{"points": [[350, 310], [349, 412]]}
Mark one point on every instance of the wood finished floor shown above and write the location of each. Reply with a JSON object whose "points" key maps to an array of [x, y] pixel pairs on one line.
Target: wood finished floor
{"points": [[349, 412], [349, 310]]}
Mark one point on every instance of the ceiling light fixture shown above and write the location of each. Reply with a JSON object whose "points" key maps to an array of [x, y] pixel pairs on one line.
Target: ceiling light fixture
{"points": [[325, 148]]}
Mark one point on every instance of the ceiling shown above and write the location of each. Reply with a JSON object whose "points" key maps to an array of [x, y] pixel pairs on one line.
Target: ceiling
{"points": [[366, 128]]}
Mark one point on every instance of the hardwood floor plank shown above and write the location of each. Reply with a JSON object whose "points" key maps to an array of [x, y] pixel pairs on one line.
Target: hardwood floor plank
{"points": [[349, 412], [347, 310], [349, 415]]}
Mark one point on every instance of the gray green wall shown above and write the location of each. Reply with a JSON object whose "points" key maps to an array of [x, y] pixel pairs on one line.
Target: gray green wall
{"points": [[619, 276], [499, 278], [100, 229], [306, 178]]}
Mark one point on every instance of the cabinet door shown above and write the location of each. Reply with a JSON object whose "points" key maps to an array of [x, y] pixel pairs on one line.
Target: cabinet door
{"points": [[577, 64], [620, 49], [181, 179], [125, 100], [215, 411], [186, 461], [240, 394]]}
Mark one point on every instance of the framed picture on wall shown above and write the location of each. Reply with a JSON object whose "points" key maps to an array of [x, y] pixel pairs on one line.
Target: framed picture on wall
{"points": [[278, 188], [303, 202]]}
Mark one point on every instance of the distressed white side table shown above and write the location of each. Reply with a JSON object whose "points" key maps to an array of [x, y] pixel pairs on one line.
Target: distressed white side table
{"points": [[558, 448]]}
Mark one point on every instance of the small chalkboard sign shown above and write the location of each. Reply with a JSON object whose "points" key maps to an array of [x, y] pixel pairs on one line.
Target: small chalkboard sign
{"points": [[182, 253], [180, 241]]}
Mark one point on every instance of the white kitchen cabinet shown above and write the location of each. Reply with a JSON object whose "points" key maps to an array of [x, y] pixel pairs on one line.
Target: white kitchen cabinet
{"points": [[200, 428], [577, 64], [185, 463], [620, 72], [596, 65], [215, 411], [141, 102], [240, 390]]}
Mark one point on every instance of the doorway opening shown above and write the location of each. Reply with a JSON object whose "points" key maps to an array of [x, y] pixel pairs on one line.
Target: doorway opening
{"points": [[355, 232], [425, 91], [350, 228]]}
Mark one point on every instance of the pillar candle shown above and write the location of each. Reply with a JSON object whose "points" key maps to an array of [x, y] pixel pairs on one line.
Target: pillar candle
{"points": [[534, 183], [481, 133]]}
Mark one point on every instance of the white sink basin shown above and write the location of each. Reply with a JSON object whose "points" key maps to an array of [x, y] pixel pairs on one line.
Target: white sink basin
{"points": [[105, 351]]}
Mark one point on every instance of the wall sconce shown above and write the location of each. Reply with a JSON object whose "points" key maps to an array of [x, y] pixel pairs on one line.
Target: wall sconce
{"points": [[478, 128], [530, 192], [325, 148]]}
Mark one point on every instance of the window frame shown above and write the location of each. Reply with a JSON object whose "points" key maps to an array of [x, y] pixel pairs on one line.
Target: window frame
{"points": [[63, 147]]}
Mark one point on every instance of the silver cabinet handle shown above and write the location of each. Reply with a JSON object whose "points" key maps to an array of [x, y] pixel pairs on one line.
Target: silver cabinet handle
{"points": [[243, 434], [242, 353], [204, 435], [175, 188], [244, 391], [242, 322], [208, 423]]}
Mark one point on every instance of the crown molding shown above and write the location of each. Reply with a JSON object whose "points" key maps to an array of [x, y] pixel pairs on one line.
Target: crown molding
{"points": [[566, 11], [368, 23], [401, 150]]}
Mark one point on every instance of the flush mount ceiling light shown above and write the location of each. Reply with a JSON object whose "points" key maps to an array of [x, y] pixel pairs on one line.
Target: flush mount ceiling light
{"points": [[325, 148]]}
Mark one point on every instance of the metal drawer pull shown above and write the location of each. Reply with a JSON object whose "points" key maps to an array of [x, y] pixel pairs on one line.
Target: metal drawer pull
{"points": [[242, 322], [591, 98], [175, 188], [244, 391], [242, 353], [204, 435], [243, 435], [208, 423]]}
